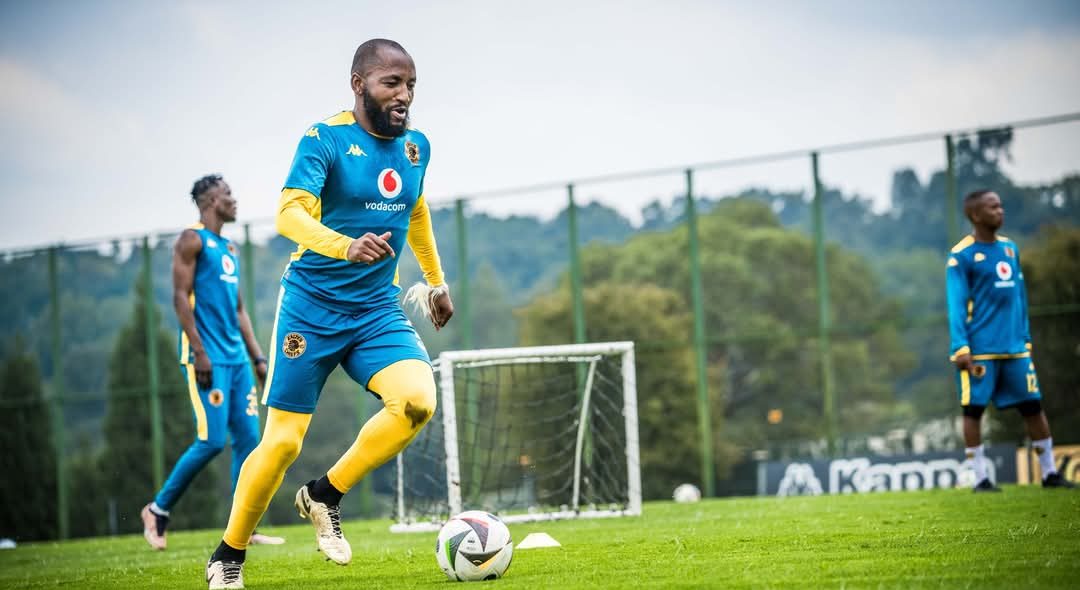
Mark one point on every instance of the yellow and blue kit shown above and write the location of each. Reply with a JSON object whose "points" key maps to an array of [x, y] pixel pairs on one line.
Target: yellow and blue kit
{"points": [[229, 407], [988, 319], [345, 182]]}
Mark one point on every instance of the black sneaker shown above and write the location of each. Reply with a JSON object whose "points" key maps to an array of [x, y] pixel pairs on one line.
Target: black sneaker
{"points": [[1055, 480], [986, 486]]}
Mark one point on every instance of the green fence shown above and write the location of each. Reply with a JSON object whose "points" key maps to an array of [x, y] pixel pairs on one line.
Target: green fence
{"points": [[784, 304]]}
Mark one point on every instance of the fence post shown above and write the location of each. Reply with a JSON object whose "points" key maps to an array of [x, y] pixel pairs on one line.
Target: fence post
{"points": [[248, 274], [157, 449], [58, 435], [824, 326], [697, 297], [577, 295], [462, 294], [952, 227]]}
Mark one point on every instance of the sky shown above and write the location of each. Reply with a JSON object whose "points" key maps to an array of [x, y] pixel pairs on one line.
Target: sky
{"points": [[109, 110]]}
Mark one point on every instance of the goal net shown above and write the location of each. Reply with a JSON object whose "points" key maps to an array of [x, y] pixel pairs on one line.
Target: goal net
{"points": [[536, 433]]}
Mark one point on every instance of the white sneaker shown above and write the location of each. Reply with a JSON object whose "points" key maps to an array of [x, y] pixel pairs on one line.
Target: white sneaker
{"points": [[154, 528], [225, 575], [327, 522], [258, 538]]}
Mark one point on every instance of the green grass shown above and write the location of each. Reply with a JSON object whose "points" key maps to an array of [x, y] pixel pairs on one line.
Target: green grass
{"points": [[1025, 537]]}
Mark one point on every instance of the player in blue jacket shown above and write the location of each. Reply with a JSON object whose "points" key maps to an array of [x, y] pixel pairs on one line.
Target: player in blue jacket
{"points": [[990, 338]]}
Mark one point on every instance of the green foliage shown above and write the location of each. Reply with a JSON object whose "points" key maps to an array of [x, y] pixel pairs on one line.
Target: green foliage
{"points": [[126, 461], [28, 487], [761, 314], [667, 412], [1052, 273], [1022, 538]]}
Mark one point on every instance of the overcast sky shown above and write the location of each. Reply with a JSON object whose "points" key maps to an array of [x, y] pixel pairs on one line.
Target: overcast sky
{"points": [[110, 110]]}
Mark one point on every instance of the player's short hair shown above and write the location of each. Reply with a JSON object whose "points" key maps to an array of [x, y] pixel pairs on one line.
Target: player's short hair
{"points": [[976, 195], [368, 53], [204, 184]]}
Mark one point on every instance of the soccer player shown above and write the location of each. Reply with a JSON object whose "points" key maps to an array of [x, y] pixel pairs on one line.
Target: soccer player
{"points": [[990, 339], [216, 342], [353, 196]]}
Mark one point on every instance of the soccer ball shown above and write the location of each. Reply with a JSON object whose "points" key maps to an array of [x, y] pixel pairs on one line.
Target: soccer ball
{"points": [[474, 545], [686, 493]]}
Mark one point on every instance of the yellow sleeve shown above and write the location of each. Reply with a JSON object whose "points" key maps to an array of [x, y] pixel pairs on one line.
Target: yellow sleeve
{"points": [[422, 242], [298, 219]]}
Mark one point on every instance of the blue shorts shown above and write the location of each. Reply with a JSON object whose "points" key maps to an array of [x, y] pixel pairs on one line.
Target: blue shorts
{"points": [[230, 405], [310, 341], [1006, 382]]}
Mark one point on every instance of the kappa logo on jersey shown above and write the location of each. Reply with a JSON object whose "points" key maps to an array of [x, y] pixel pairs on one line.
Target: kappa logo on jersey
{"points": [[389, 183], [313, 132], [979, 257], [1004, 270], [227, 265], [210, 243], [354, 150]]}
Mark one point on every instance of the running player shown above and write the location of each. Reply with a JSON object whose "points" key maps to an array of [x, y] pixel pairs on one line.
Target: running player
{"points": [[353, 196]]}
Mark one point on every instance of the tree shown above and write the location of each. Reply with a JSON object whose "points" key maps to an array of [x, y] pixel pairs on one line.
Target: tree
{"points": [[658, 320], [126, 463], [28, 462], [1052, 273]]}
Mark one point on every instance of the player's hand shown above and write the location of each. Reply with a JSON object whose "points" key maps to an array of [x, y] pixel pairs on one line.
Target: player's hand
{"points": [[964, 363], [204, 371], [442, 309], [370, 248], [260, 372]]}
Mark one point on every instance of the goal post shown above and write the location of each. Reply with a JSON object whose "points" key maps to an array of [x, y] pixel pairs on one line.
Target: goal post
{"points": [[529, 416]]}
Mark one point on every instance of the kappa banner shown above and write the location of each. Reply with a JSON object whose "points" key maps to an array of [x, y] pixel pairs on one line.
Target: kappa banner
{"points": [[879, 474]]}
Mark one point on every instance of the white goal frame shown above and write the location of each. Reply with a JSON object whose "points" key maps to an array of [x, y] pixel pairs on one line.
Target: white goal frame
{"points": [[591, 353]]}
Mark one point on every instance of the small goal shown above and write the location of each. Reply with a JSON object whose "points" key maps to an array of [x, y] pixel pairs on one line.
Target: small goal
{"points": [[529, 434]]}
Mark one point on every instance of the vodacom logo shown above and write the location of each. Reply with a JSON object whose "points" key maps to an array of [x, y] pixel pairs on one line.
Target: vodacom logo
{"points": [[1004, 270], [389, 183]]}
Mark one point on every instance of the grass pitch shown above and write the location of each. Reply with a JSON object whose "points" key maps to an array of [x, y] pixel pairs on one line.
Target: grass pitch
{"points": [[1026, 537]]}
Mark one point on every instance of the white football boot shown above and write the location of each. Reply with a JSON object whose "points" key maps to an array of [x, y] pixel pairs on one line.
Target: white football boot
{"points": [[154, 528], [327, 522], [225, 575]]}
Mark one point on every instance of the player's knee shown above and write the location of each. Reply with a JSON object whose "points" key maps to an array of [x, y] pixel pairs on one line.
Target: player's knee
{"points": [[975, 412], [286, 448], [213, 444], [417, 403], [1029, 408]]}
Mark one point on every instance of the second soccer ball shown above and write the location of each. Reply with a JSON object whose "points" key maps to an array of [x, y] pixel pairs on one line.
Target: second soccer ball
{"points": [[686, 492]]}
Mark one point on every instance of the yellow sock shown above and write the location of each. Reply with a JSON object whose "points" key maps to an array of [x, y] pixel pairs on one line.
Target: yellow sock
{"points": [[407, 389], [263, 471]]}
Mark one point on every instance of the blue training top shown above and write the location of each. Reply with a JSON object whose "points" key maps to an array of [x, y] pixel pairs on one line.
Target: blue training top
{"points": [[365, 183], [214, 301], [987, 300]]}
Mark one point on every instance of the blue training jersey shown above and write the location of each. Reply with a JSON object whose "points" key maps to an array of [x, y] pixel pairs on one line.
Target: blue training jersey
{"points": [[364, 183], [987, 300], [214, 301]]}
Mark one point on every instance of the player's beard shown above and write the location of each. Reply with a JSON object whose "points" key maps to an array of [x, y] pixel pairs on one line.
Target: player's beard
{"points": [[380, 119]]}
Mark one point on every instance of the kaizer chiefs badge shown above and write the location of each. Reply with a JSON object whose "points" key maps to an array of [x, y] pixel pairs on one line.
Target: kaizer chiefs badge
{"points": [[412, 152], [294, 345], [216, 398]]}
